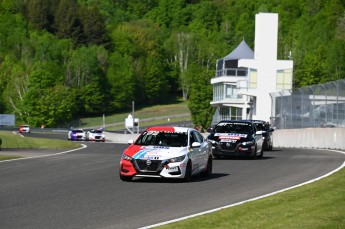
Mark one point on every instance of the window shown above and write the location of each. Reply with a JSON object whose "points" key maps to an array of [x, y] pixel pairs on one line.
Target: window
{"points": [[230, 113], [218, 92], [252, 78], [284, 79], [231, 91]]}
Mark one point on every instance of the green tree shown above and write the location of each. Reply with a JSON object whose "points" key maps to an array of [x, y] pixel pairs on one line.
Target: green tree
{"points": [[93, 26], [39, 13], [67, 21], [200, 97], [121, 79]]}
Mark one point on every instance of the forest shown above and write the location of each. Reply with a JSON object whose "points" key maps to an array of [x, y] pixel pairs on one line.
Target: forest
{"points": [[65, 59]]}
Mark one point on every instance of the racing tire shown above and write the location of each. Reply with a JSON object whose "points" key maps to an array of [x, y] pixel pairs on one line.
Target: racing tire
{"points": [[261, 155], [126, 178], [254, 156], [208, 169], [188, 173]]}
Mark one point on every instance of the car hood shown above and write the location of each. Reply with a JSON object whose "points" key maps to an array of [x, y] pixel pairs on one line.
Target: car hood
{"points": [[154, 152], [96, 134]]}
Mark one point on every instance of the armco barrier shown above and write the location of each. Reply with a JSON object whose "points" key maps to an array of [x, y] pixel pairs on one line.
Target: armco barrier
{"points": [[322, 138]]}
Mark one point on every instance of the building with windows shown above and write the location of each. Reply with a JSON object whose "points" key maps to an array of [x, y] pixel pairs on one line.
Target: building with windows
{"points": [[244, 78]]}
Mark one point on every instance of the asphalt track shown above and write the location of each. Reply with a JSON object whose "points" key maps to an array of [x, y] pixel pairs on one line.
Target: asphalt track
{"points": [[81, 189]]}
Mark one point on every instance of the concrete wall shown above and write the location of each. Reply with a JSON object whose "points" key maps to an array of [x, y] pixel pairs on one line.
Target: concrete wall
{"points": [[119, 138], [323, 138]]}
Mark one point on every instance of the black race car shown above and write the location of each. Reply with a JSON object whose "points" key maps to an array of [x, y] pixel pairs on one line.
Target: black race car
{"points": [[236, 138]]}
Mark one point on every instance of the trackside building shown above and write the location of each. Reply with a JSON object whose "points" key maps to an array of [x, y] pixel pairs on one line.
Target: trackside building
{"points": [[245, 78]]}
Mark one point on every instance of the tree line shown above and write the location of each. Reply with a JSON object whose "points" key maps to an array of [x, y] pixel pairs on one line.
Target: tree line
{"points": [[66, 59]]}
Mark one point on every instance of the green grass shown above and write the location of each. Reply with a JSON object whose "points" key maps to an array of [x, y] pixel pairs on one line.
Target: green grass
{"points": [[317, 205], [11, 140], [8, 157], [117, 120], [150, 123]]}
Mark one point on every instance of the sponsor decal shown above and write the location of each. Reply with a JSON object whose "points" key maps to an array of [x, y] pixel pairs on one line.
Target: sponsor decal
{"points": [[230, 136], [183, 165], [147, 154], [173, 169], [228, 140]]}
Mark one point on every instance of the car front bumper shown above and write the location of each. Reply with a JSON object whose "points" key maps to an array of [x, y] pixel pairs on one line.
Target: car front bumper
{"points": [[232, 150], [156, 168]]}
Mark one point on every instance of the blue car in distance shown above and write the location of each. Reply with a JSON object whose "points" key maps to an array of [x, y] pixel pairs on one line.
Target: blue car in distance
{"points": [[77, 135]]}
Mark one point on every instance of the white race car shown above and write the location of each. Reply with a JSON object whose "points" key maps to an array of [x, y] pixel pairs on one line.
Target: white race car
{"points": [[76, 135], [167, 152], [95, 135]]}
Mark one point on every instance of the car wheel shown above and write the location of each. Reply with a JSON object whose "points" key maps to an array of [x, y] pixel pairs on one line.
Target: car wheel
{"points": [[208, 169], [215, 156], [261, 153], [253, 156], [126, 178], [188, 173]]}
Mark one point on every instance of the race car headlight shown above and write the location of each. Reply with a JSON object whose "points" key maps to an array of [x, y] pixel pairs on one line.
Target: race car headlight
{"points": [[248, 143], [125, 157], [176, 159]]}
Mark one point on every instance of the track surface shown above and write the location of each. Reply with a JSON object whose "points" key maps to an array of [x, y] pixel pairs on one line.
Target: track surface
{"points": [[81, 189]]}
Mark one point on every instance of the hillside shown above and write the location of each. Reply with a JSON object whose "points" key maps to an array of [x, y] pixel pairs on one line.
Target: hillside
{"points": [[62, 60]]}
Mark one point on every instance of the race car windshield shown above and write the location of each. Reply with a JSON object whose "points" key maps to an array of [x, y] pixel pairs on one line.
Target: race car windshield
{"points": [[155, 138], [233, 128]]}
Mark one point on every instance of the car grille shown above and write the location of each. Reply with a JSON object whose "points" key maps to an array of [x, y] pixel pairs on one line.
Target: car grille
{"points": [[226, 146], [142, 166], [97, 137]]}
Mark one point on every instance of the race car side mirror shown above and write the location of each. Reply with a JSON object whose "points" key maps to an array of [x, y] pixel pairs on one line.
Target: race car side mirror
{"points": [[130, 142], [196, 144], [259, 132]]}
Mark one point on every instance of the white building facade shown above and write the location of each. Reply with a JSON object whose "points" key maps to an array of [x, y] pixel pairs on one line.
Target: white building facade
{"points": [[244, 79]]}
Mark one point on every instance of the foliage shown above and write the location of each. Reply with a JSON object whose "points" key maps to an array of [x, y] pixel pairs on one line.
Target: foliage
{"points": [[97, 57], [201, 95]]}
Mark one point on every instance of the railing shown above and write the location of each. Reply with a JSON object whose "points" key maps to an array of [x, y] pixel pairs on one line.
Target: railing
{"points": [[231, 72], [321, 105]]}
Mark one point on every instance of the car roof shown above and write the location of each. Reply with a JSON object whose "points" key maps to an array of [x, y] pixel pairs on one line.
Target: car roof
{"points": [[235, 121], [169, 129]]}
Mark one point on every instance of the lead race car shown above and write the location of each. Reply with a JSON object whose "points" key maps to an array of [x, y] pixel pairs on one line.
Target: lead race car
{"points": [[236, 138], [167, 152]]}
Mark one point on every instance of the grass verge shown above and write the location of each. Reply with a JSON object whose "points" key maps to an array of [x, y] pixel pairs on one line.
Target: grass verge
{"points": [[15, 141], [317, 205], [181, 107]]}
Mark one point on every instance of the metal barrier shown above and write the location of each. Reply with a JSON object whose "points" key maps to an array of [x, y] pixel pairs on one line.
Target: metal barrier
{"points": [[321, 105]]}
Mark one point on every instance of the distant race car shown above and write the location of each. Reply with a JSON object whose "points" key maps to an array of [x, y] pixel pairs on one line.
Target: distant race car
{"points": [[77, 135], [24, 128], [236, 138], [95, 135], [167, 152], [267, 133]]}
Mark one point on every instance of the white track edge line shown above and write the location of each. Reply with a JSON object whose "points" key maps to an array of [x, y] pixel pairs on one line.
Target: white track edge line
{"points": [[46, 155], [250, 200]]}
